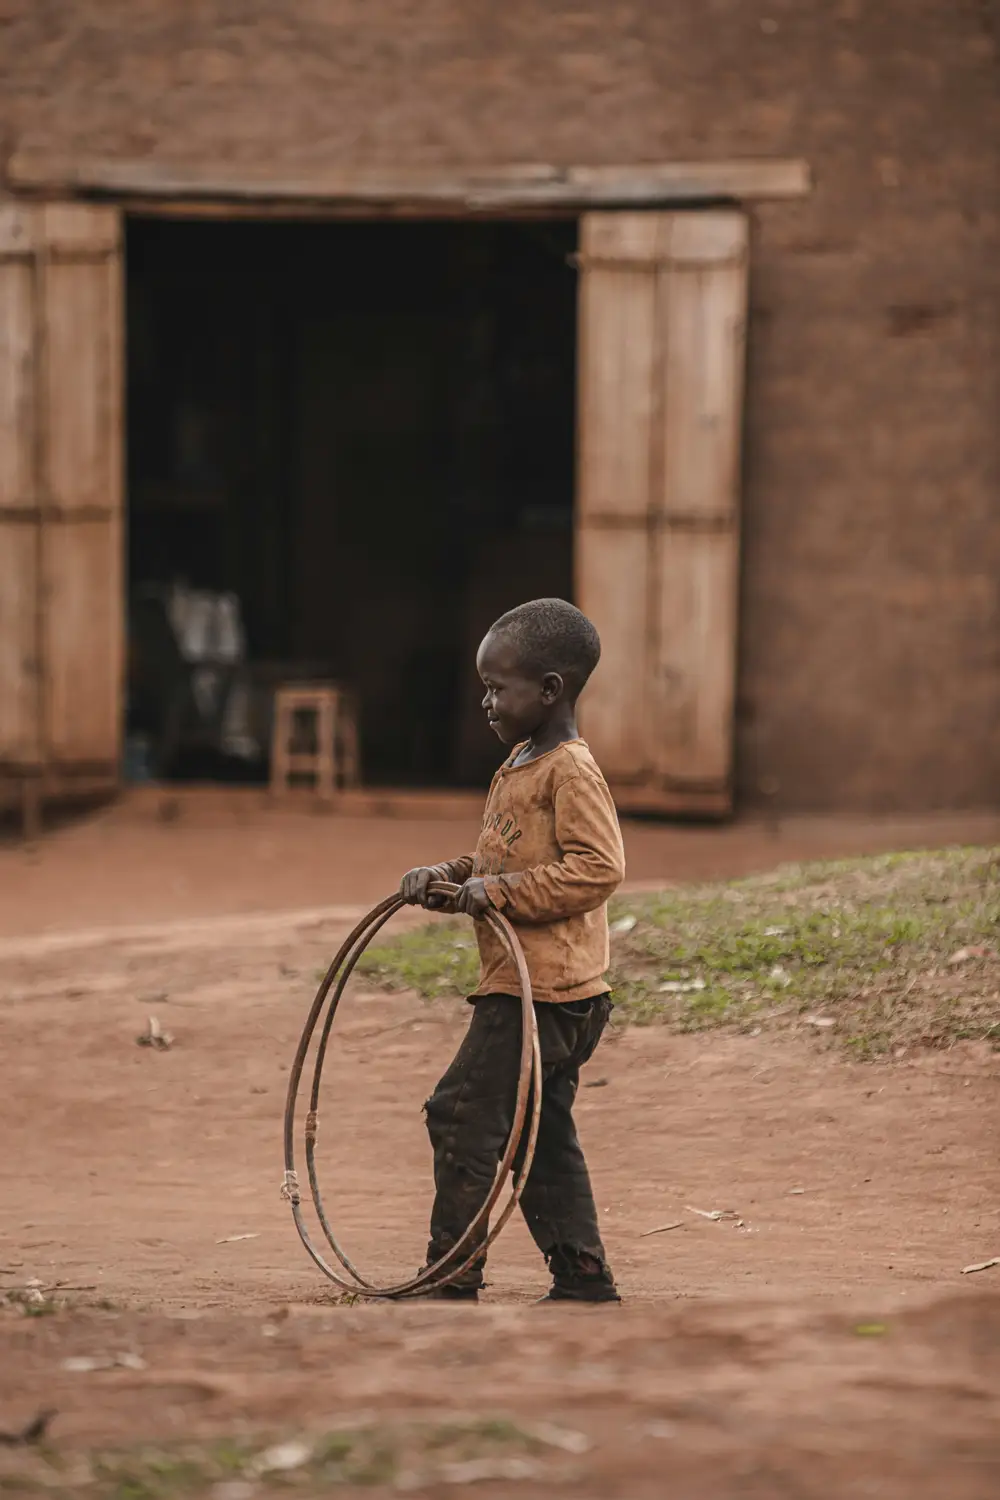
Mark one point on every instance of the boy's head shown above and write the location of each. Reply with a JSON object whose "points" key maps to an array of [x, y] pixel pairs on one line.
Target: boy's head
{"points": [[534, 662]]}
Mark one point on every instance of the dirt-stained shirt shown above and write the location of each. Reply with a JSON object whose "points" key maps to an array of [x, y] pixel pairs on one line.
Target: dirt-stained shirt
{"points": [[551, 855]]}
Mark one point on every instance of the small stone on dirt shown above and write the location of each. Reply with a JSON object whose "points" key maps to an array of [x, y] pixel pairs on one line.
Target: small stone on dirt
{"points": [[964, 954], [480, 1470], [89, 1364], [565, 1438], [282, 1458], [130, 1361], [662, 1430]]}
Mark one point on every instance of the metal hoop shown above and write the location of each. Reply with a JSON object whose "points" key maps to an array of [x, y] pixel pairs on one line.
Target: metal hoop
{"points": [[450, 1266]]}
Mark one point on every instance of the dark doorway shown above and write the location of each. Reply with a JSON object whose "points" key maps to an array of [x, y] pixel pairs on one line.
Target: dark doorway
{"points": [[365, 432]]}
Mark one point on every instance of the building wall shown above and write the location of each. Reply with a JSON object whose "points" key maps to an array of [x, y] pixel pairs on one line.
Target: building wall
{"points": [[870, 657]]}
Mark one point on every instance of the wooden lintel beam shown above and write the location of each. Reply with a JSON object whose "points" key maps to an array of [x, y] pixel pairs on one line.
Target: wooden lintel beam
{"points": [[486, 189]]}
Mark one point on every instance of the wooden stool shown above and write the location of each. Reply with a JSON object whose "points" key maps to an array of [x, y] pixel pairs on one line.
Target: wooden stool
{"points": [[333, 761]]}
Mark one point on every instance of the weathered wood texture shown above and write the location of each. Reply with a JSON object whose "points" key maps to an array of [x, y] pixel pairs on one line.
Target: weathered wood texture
{"points": [[870, 592], [61, 446], [498, 188], [19, 601], [662, 340]]}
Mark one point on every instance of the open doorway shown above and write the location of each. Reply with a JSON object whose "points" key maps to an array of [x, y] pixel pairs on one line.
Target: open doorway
{"points": [[365, 433]]}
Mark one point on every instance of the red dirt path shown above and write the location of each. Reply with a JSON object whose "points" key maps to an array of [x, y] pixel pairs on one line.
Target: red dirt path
{"points": [[862, 1191], [224, 852]]}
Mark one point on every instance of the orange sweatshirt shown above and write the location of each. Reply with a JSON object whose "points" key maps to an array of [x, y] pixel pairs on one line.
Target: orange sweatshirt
{"points": [[551, 854]]}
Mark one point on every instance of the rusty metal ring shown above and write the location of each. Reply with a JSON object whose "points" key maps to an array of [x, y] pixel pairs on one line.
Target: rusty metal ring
{"points": [[451, 1265]]}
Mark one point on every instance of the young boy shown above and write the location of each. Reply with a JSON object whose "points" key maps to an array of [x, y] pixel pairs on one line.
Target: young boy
{"points": [[549, 856]]}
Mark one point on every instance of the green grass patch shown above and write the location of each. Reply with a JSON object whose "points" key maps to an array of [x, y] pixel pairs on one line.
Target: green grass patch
{"points": [[440, 958], [862, 950]]}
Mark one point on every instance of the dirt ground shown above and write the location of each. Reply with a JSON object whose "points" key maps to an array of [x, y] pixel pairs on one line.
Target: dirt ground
{"points": [[199, 853], [146, 1183]]}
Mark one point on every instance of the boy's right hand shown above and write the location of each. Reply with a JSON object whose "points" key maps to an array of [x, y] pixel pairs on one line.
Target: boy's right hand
{"points": [[414, 887]]}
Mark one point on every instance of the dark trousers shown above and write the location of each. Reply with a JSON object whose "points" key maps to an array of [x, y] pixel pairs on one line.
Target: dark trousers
{"points": [[469, 1116]]}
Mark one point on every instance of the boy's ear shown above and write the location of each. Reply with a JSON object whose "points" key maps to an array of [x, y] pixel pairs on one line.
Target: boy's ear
{"points": [[553, 687]]}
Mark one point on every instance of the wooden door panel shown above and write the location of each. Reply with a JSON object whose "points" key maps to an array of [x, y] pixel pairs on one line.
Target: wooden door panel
{"points": [[618, 241], [61, 449], [81, 333], [703, 315], [19, 717], [692, 677], [612, 588], [18, 223], [20, 724], [616, 363], [80, 367], [662, 314], [82, 641], [17, 425], [79, 230]]}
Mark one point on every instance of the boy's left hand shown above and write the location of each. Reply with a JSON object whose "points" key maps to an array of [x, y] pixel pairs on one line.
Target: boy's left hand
{"points": [[472, 898]]}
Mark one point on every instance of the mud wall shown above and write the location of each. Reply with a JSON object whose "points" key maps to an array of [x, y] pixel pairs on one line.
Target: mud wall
{"points": [[870, 658]]}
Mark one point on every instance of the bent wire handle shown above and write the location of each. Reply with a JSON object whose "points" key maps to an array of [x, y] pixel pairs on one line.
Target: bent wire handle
{"points": [[529, 1089]]}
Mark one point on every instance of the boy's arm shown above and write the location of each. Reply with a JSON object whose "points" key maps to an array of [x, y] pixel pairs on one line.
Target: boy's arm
{"points": [[591, 868]]}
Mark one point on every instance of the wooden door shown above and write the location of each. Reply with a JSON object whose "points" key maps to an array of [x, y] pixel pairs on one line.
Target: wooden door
{"points": [[61, 448], [661, 356]]}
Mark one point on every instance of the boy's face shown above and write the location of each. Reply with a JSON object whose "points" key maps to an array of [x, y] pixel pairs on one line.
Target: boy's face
{"points": [[517, 702]]}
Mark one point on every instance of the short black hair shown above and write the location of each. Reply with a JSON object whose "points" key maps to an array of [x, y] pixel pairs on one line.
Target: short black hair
{"points": [[550, 635]]}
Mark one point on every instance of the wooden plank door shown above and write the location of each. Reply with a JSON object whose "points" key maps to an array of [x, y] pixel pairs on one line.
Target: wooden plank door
{"points": [[61, 451], [661, 357], [20, 719]]}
